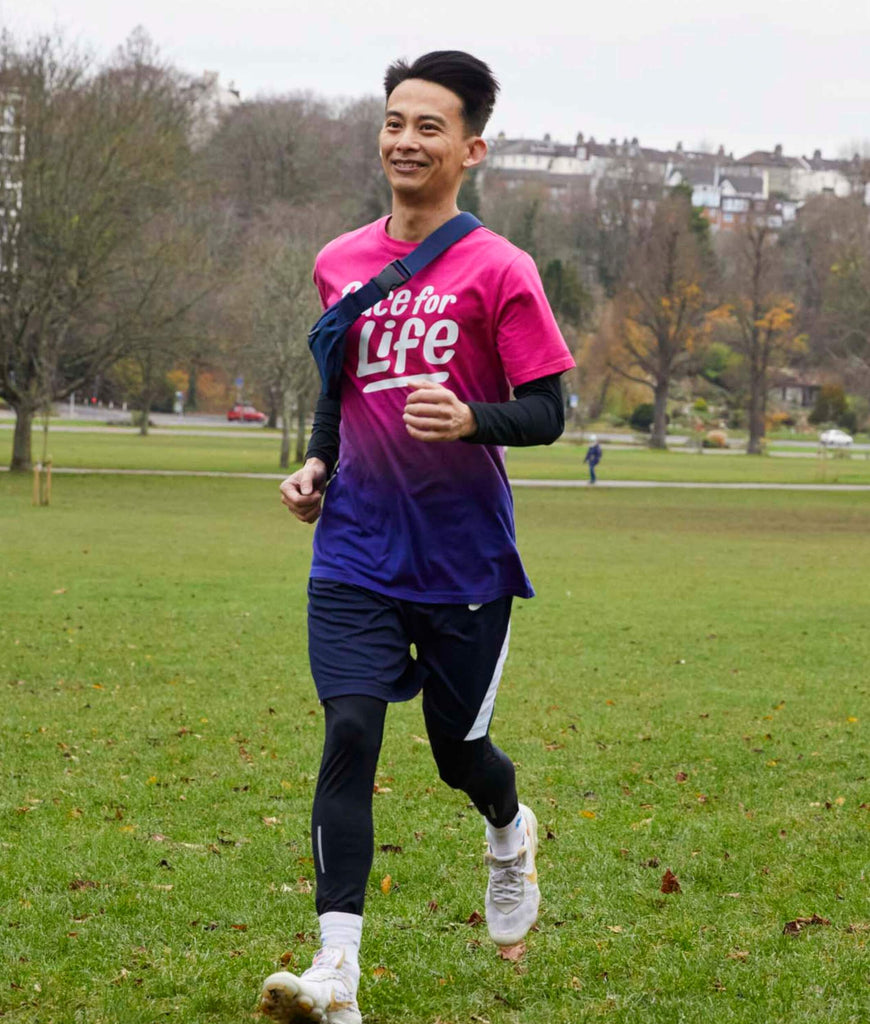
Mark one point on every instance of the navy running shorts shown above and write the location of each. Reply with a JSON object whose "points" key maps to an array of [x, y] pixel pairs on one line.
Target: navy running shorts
{"points": [[359, 642]]}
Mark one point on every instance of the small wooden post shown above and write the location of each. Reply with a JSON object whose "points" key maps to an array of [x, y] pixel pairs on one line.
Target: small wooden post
{"points": [[48, 481], [37, 470]]}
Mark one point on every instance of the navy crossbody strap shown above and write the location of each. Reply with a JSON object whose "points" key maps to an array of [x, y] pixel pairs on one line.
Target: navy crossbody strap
{"points": [[429, 249]]}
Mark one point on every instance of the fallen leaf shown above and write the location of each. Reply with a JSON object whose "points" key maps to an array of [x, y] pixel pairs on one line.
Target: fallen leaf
{"points": [[432, 906], [271, 821], [474, 919], [617, 928], [83, 883], [390, 848], [287, 958], [681, 777], [861, 926], [670, 884], [738, 954], [382, 789], [61, 590], [576, 983], [587, 814], [512, 953], [386, 884], [382, 972], [304, 886], [799, 923], [239, 927]]}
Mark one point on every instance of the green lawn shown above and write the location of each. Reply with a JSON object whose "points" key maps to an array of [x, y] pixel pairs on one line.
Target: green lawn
{"points": [[255, 453], [160, 736]]}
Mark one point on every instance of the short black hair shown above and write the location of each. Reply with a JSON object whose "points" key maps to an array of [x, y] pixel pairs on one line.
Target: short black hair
{"points": [[467, 76]]}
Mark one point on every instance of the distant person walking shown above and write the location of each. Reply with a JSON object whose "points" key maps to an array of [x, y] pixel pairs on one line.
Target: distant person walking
{"points": [[593, 456]]}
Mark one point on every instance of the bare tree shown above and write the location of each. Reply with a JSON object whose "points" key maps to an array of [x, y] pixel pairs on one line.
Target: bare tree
{"points": [[759, 317], [105, 148], [664, 304]]}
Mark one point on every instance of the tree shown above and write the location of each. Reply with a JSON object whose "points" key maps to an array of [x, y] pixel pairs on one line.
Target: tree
{"points": [[284, 307], [663, 304], [758, 319], [105, 148]]}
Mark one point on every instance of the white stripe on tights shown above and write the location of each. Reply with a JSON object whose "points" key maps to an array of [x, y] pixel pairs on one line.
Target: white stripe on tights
{"points": [[320, 848], [481, 723]]}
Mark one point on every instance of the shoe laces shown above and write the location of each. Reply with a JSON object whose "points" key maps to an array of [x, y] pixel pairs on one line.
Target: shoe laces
{"points": [[506, 879]]}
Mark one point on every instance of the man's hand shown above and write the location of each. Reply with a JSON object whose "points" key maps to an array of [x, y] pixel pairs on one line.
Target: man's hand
{"points": [[434, 413], [302, 491]]}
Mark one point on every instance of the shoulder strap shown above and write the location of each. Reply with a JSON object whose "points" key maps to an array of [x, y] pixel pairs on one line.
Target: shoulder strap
{"points": [[401, 270]]}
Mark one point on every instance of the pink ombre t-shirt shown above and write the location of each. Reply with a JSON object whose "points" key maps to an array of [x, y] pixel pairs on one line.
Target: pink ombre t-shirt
{"points": [[430, 521]]}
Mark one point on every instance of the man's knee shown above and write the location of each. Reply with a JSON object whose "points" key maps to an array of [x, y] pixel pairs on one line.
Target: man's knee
{"points": [[352, 728]]}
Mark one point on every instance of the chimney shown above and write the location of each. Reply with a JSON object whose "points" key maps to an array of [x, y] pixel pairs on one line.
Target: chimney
{"points": [[817, 154], [778, 150], [579, 138], [721, 151], [679, 147]]}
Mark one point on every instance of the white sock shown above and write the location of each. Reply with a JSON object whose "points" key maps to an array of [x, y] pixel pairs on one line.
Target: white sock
{"points": [[506, 842], [339, 929]]}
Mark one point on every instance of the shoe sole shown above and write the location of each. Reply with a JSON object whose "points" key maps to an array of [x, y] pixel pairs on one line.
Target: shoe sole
{"points": [[281, 1001]]}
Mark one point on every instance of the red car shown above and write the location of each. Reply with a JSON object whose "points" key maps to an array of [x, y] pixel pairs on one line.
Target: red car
{"points": [[246, 414]]}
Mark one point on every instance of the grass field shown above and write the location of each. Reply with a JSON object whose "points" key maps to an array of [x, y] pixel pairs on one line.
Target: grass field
{"points": [[688, 691], [253, 453]]}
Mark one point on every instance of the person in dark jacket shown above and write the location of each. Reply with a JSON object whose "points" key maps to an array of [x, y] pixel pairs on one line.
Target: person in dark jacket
{"points": [[593, 456]]}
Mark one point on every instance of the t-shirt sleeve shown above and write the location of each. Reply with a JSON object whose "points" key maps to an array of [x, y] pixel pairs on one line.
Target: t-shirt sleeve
{"points": [[529, 342], [320, 284]]}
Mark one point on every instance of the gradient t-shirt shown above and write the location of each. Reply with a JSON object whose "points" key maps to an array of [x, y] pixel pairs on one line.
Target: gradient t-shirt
{"points": [[417, 520]]}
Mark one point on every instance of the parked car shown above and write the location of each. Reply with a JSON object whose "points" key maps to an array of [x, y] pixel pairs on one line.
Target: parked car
{"points": [[245, 414], [835, 439]]}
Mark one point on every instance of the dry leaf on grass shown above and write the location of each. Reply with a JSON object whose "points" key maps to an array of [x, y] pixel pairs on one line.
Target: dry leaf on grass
{"points": [[386, 884], [799, 923], [512, 953], [390, 848], [670, 882], [474, 919]]}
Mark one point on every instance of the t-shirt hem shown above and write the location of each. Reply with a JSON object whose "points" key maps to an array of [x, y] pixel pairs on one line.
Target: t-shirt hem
{"points": [[423, 597]]}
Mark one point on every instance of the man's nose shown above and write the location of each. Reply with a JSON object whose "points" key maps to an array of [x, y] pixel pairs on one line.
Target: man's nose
{"points": [[408, 138]]}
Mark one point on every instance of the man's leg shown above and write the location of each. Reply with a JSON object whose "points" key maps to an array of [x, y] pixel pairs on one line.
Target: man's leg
{"points": [[463, 649], [342, 840]]}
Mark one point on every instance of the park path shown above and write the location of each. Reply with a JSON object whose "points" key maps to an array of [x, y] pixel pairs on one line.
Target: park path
{"points": [[569, 484]]}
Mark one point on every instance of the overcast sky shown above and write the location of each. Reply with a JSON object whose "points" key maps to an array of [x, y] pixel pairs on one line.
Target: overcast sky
{"points": [[744, 74]]}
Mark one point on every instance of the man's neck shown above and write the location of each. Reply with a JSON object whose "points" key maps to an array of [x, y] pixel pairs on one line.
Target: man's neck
{"points": [[410, 223]]}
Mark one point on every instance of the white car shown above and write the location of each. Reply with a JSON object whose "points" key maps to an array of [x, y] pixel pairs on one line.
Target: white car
{"points": [[835, 439]]}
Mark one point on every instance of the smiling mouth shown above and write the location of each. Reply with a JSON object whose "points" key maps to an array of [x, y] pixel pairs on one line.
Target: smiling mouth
{"points": [[407, 165]]}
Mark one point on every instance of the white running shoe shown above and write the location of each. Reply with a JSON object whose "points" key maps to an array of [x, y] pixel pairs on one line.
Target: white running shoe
{"points": [[512, 896], [325, 993]]}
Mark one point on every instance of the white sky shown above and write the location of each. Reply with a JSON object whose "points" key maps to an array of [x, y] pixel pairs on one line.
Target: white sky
{"points": [[745, 73]]}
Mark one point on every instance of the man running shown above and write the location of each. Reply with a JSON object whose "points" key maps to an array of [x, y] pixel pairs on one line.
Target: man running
{"points": [[416, 544]]}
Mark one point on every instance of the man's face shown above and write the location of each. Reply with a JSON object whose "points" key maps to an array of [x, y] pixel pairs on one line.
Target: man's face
{"points": [[424, 145]]}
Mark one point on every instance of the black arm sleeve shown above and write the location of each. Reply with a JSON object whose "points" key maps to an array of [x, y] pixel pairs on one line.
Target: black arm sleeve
{"points": [[324, 440], [535, 416]]}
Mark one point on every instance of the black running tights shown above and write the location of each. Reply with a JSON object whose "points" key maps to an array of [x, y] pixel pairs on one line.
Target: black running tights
{"points": [[342, 834]]}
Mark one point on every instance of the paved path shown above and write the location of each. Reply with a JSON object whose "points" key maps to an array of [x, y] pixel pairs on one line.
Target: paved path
{"points": [[563, 484]]}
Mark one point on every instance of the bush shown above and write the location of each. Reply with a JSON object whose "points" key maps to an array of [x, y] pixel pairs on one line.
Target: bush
{"points": [[701, 405], [831, 406], [716, 439], [642, 417]]}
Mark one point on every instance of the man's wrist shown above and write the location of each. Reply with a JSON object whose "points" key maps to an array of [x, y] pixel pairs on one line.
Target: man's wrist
{"points": [[469, 426]]}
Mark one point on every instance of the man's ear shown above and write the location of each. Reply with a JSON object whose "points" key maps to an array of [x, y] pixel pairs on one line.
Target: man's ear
{"points": [[477, 149]]}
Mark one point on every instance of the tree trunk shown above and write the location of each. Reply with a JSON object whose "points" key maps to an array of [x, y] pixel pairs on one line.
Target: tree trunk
{"points": [[190, 404], [756, 415], [145, 415], [598, 402], [658, 438], [21, 455], [286, 410], [300, 427]]}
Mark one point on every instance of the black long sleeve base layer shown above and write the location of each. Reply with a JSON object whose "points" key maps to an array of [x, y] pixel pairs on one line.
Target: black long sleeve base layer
{"points": [[342, 833]]}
